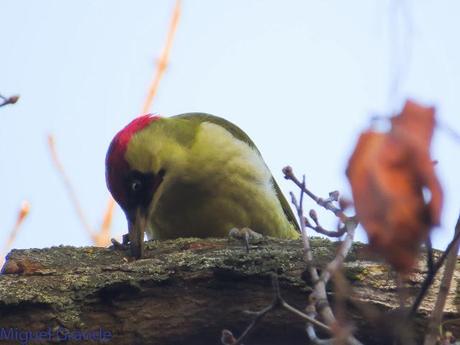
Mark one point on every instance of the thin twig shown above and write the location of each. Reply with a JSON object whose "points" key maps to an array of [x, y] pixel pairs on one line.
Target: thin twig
{"points": [[320, 230], [449, 130], [430, 277], [101, 238], [153, 88], [22, 215], [302, 194], [343, 251], [429, 256], [259, 316], [343, 331], [326, 203], [278, 301], [350, 226], [308, 256], [310, 329], [70, 190], [314, 338], [320, 295], [286, 306], [436, 316], [401, 38], [164, 58]]}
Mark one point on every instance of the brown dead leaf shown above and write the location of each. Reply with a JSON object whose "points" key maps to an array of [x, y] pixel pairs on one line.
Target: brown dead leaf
{"points": [[388, 173], [415, 126]]}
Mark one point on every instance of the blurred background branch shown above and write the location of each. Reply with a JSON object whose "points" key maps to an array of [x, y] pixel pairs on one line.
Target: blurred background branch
{"points": [[102, 237], [161, 68], [69, 187], [163, 60], [21, 216]]}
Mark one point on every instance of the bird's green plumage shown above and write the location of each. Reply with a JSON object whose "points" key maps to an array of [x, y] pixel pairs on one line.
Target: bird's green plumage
{"points": [[215, 179], [239, 134]]}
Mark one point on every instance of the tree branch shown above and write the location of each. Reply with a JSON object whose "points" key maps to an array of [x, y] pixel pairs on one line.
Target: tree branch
{"points": [[436, 316]]}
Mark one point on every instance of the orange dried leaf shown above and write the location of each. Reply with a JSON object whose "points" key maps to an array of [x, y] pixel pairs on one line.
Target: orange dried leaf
{"points": [[388, 173], [415, 127], [417, 123]]}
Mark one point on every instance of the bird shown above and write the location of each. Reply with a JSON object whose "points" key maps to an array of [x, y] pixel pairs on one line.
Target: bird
{"points": [[193, 175]]}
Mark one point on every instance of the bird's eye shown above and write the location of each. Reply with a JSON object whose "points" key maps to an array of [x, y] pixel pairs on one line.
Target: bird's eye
{"points": [[136, 185]]}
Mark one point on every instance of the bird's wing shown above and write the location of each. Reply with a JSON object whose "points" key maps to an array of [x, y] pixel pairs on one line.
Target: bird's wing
{"points": [[241, 135]]}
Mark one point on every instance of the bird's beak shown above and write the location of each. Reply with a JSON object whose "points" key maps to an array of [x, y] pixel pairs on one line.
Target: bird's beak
{"points": [[136, 228]]}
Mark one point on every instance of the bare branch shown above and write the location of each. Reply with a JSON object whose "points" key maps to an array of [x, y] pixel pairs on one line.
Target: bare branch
{"points": [[320, 295], [308, 257], [319, 229], [310, 329], [326, 203], [329, 233], [430, 277], [343, 251], [449, 130], [429, 256], [436, 316], [314, 338], [227, 336]]}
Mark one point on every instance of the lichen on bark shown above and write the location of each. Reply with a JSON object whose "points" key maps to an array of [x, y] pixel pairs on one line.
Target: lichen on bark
{"points": [[185, 290]]}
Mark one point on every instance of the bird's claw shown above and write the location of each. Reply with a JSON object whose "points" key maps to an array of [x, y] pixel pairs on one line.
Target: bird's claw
{"points": [[246, 235], [124, 245]]}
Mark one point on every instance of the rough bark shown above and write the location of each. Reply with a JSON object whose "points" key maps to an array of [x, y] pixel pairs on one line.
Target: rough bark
{"points": [[187, 290]]}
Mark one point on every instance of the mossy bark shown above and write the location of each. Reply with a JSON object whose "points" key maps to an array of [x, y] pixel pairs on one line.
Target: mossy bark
{"points": [[186, 291]]}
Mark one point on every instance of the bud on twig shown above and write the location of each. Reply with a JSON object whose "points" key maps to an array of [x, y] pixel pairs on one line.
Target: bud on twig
{"points": [[314, 216], [9, 100], [344, 203], [13, 99], [227, 337], [287, 171], [334, 196]]}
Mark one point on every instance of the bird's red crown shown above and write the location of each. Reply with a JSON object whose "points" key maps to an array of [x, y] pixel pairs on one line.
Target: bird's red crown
{"points": [[115, 163]]}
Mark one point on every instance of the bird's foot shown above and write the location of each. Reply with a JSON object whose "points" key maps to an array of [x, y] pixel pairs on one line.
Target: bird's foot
{"points": [[124, 245], [135, 250], [246, 235]]}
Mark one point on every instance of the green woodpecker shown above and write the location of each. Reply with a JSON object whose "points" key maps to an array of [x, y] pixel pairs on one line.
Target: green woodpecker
{"points": [[193, 175]]}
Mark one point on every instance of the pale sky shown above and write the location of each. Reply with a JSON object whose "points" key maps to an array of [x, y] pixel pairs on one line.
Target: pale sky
{"points": [[302, 78]]}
